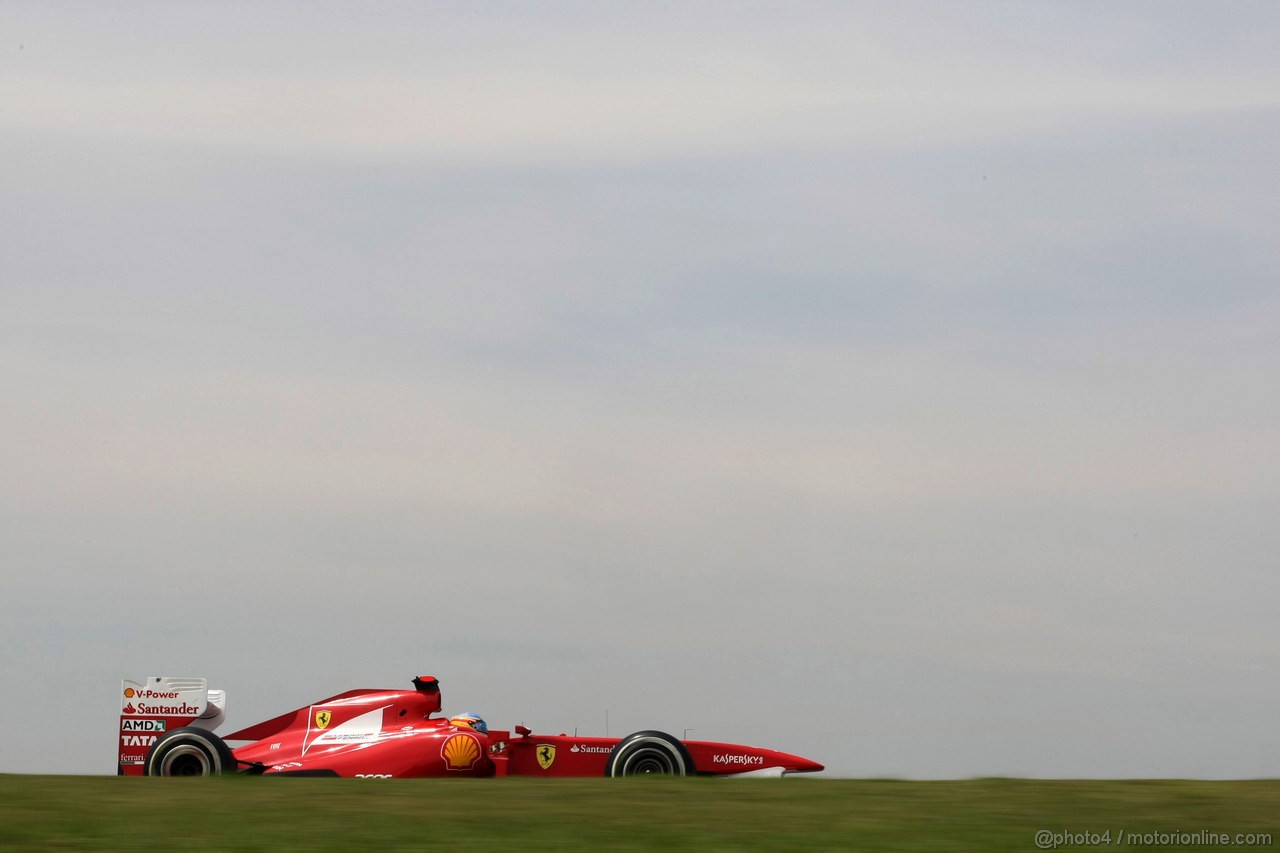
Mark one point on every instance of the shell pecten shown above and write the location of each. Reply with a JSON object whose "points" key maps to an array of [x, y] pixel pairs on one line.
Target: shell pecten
{"points": [[460, 752]]}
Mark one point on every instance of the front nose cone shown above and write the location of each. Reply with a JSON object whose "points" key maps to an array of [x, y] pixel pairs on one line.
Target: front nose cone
{"points": [[804, 765]]}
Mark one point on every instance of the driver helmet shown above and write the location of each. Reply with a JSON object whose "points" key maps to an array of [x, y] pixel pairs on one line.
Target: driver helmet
{"points": [[469, 721]]}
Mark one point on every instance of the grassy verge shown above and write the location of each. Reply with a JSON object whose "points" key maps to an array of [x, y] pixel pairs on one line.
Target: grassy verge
{"points": [[238, 813]]}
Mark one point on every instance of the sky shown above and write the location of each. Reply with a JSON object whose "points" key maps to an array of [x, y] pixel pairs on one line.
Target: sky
{"points": [[894, 384]]}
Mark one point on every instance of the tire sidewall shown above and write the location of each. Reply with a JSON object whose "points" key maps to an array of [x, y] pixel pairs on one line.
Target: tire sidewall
{"points": [[660, 745], [206, 748]]}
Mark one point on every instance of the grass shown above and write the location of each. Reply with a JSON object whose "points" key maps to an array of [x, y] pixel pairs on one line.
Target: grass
{"points": [[239, 813]]}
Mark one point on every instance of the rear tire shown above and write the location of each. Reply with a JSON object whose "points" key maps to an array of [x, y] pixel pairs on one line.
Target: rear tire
{"points": [[189, 751], [649, 753]]}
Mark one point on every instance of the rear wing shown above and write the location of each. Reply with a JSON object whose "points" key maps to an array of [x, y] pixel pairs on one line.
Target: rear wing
{"points": [[159, 704]]}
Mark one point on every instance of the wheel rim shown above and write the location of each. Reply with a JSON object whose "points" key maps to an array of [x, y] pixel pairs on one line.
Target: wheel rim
{"points": [[649, 762], [186, 760]]}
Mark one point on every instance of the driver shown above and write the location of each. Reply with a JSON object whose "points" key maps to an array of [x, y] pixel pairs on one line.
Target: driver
{"points": [[469, 721]]}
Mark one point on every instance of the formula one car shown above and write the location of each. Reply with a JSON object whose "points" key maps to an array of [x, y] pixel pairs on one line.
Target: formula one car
{"points": [[167, 729]]}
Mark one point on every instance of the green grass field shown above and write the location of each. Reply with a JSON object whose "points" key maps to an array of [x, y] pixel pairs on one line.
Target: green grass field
{"points": [[239, 813]]}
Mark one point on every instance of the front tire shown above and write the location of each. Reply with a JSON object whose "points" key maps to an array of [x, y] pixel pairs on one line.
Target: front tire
{"points": [[649, 753], [189, 751]]}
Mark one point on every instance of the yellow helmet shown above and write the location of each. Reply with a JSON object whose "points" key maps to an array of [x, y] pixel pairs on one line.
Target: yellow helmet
{"points": [[469, 721]]}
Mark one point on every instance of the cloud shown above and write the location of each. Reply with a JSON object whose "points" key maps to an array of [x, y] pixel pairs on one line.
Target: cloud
{"points": [[590, 88], [908, 369]]}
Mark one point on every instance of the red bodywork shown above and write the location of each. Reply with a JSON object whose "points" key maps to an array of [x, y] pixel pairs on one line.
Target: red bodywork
{"points": [[392, 734]]}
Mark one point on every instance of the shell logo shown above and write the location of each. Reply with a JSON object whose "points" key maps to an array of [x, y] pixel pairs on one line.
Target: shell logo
{"points": [[129, 693], [460, 752]]}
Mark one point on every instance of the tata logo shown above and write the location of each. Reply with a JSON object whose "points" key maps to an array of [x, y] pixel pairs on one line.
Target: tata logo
{"points": [[546, 755], [323, 718]]}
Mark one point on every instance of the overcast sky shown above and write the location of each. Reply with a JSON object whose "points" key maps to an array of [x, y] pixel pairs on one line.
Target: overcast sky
{"points": [[897, 384]]}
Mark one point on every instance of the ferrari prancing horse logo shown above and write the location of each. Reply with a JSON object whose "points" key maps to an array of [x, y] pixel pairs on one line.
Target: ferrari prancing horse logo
{"points": [[546, 755], [323, 718]]}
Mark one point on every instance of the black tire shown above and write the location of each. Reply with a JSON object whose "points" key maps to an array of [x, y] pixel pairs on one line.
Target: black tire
{"points": [[189, 751], [649, 754]]}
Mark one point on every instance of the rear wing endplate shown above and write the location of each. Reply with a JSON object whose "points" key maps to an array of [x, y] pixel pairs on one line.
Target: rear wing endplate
{"points": [[158, 704]]}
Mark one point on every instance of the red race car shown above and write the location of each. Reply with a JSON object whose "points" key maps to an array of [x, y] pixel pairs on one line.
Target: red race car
{"points": [[167, 725]]}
